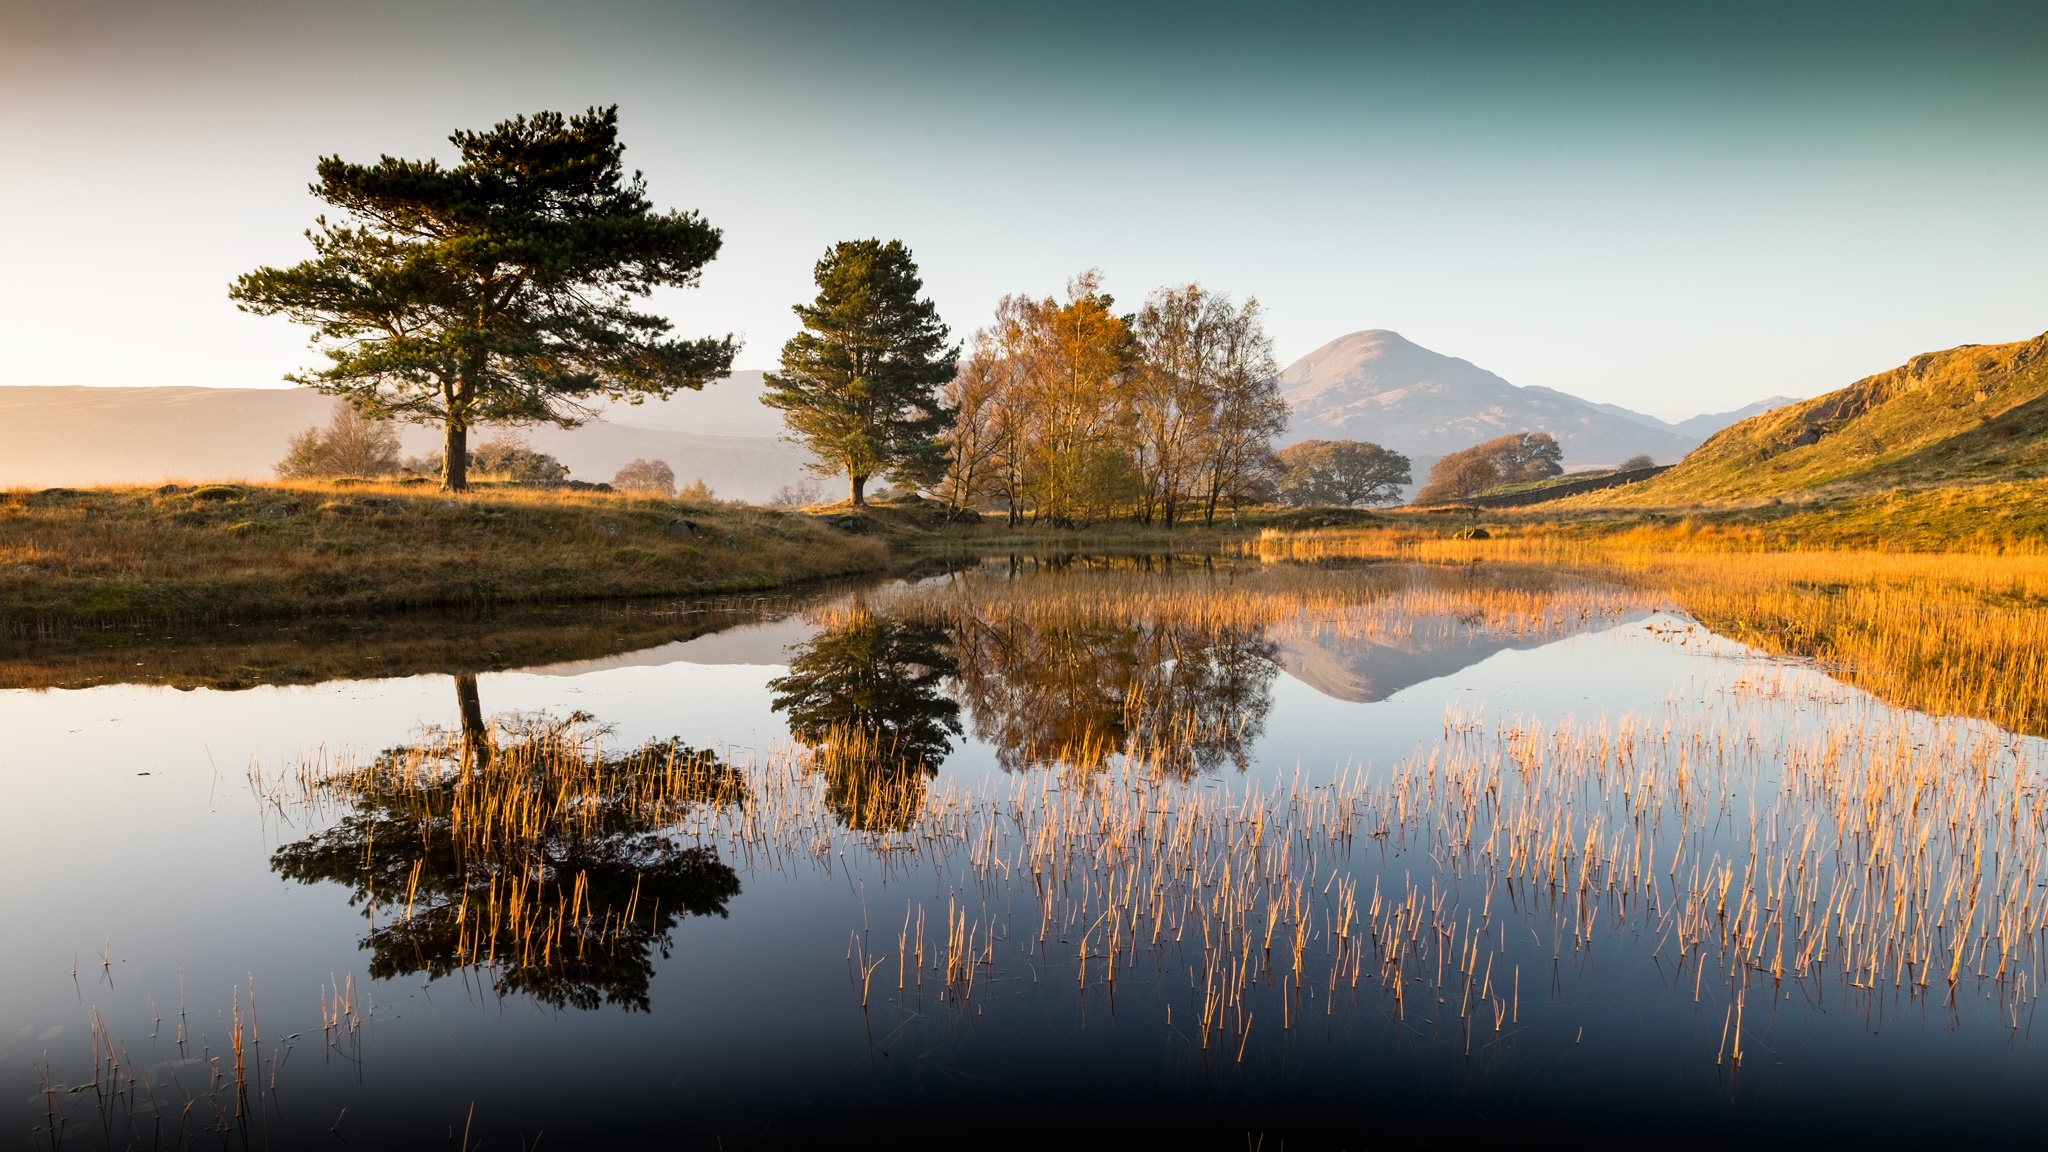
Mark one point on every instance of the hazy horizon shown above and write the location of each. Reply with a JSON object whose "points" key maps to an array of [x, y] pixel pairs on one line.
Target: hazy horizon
{"points": [[1677, 210]]}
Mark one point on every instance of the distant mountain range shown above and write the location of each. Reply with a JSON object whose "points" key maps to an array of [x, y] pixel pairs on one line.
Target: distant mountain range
{"points": [[71, 436], [1376, 385], [1371, 385]]}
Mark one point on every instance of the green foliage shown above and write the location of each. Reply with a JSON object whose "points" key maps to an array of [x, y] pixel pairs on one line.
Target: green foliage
{"points": [[1341, 473], [496, 290], [860, 384], [351, 445], [1515, 458]]}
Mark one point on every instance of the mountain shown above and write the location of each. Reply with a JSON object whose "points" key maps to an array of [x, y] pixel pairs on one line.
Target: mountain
{"points": [[1706, 425], [1975, 413], [728, 407], [71, 437], [1378, 386], [1698, 427]]}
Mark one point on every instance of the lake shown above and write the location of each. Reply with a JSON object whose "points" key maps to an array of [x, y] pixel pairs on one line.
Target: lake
{"points": [[1031, 850]]}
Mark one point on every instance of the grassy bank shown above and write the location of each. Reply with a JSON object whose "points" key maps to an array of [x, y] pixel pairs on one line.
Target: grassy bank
{"points": [[137, 556]]}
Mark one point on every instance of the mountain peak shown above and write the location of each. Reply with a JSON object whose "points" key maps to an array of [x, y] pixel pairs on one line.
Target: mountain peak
{"points": [[1378, 385]]}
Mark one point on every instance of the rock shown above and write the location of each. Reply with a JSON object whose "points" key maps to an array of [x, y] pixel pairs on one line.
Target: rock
{"points": [[276, 511], [171, 490], [608, 528], [732, 541], [682, 529]]}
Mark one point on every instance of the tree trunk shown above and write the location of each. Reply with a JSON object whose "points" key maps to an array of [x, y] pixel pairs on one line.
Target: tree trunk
{"points": [[475, 736], [858, 485], [455, 458]]}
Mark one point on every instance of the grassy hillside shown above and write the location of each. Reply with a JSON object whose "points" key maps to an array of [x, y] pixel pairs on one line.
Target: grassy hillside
{"points": [[238, 552], [1970, 415]]}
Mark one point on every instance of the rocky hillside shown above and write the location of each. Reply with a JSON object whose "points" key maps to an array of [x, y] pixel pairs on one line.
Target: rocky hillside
{"points": [[1974, 414], [1378, 386]]}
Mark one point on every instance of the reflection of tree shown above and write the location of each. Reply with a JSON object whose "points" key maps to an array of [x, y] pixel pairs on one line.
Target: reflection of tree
{"points": [[1186, 696], [868, 697], [527, 851]]}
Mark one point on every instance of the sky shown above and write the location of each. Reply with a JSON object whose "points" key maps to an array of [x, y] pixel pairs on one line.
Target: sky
{"points": [[1674, 207]]}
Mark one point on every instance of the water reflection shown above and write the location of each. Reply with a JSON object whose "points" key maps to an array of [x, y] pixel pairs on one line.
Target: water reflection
{"points": [[1077, 690], [521, 850], [868, 696]]}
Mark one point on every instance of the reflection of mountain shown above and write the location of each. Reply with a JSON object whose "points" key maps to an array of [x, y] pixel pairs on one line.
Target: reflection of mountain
{"points": [[1362, 671]]}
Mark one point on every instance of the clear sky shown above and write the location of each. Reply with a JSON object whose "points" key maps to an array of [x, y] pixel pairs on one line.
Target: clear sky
{"points": [[1676, 207]]}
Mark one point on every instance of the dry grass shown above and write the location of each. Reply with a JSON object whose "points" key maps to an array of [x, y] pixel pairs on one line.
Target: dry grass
{"points": [[1960, 634], [128, 556]]}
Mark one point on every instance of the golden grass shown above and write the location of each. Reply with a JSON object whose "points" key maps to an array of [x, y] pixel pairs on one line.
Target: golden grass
{"points": [[1962, 634], [239, 552]]}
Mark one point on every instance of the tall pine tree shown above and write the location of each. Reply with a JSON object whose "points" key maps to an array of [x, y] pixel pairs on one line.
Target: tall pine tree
{"points": [[860, 385], [496, 291]]}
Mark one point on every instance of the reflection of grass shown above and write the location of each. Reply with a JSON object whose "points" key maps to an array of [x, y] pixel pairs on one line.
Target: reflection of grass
{"points": [[1957, 633], [309, 650], [524, 851], [240, 552]]}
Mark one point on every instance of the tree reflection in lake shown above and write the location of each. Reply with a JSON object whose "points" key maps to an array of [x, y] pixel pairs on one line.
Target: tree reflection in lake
{"points": [[879, 692], [868, 697], [524, 851], [1187, 697]]}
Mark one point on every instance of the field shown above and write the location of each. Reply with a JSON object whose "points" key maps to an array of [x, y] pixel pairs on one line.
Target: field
{"points": [[124, 557]]}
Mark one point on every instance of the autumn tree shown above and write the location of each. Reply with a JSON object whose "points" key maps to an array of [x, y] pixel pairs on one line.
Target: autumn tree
{"points": [[859, 385], [646, 476], [350, 445], [1516, 458], [1342, 473], [1249, 412], [496, 290], [1636, 463]]}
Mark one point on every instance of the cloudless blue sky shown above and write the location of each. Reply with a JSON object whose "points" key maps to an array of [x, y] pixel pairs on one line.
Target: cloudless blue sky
{"points": [[1676, 207]]}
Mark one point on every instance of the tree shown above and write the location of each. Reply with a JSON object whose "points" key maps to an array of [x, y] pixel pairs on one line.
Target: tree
{"points": [[352, 445], [1637, 462], [1249, 411], [1512, 459], [646, 476], [496, 290], [1345, 473], [859, 386]]}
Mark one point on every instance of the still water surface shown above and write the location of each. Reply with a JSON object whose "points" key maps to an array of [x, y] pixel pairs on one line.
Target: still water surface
{"points": [[1345, 857]]}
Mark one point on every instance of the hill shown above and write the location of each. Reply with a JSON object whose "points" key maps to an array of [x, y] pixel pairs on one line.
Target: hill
{"points": [[1378, 386], [1970, 415], [80, 437]]}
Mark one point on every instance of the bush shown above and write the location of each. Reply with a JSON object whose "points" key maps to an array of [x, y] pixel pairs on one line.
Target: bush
{"points": [[351, 445], [1636, 463], [505, 457], [646, 476]]}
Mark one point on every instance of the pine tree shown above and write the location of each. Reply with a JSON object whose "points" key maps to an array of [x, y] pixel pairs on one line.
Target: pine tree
{"points": [[859, 386], [497, 290]]}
